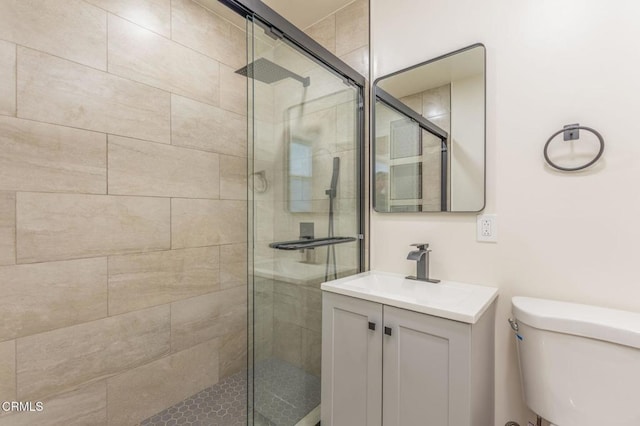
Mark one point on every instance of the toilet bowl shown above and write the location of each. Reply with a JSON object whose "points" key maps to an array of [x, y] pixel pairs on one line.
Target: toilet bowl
{"points": [[579, 364]]}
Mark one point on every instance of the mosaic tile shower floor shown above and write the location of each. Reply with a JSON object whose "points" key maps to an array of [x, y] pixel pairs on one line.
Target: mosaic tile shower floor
{"points": [[284, 394]]}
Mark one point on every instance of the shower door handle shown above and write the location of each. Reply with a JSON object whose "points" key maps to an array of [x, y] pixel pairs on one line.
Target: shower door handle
{"points": [[372, 326]]}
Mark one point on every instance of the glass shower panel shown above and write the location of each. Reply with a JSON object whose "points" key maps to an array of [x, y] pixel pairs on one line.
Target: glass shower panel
{"points": [[304, 219]]}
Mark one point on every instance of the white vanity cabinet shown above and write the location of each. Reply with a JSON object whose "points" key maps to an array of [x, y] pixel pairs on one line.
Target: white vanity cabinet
{"points": [[388, 365]]}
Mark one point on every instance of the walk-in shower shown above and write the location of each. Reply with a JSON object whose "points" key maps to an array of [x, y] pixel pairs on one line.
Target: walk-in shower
{"points": [[305, 112], [304, 137], [304, 169]]}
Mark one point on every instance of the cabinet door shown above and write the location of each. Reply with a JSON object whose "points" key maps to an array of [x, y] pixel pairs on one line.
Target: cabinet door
{"points": [[351, 361], [425, 370]]}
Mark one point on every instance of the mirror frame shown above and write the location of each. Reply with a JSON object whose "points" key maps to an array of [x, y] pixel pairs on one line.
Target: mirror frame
{"points": [[376, 90]]}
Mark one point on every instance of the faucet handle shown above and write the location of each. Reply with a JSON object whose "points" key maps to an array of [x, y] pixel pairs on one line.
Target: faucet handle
{"points": [[421, 246]]}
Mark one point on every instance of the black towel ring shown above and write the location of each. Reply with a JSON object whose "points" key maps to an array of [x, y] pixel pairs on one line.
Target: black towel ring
{"points": [[584, 166]]}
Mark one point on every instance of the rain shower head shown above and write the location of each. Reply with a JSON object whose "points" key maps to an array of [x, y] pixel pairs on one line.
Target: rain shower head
{"points": [[266, 71]]}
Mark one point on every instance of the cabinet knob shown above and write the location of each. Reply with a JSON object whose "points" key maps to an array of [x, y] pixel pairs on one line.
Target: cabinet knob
{"points": [[372, 325], [387, 331]]}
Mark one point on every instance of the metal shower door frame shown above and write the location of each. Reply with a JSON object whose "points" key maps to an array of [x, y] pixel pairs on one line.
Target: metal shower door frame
{"points": [[257, 12]]}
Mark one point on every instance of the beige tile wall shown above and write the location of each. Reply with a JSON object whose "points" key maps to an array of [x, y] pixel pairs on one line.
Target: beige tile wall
{"points": [[46, 296], [346, 34], [55, 361], [146, 390], [67, 226], [122, 206], [8, 80], [8, 370], [154, 15], [59, 91], [145, 168], [70, 29], [7, 228], [193, 123], [49, 158], [138, 281]]}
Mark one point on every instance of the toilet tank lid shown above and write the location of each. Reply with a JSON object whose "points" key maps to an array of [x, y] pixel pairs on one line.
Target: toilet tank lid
{"points": [[610, 325]]}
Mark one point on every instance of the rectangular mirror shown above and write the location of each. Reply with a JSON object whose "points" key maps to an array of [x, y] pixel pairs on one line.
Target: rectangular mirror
{"points": [[429, 135]]}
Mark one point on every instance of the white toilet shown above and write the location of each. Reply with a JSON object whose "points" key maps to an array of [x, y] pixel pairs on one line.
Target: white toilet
{"points": [[579, 364]]}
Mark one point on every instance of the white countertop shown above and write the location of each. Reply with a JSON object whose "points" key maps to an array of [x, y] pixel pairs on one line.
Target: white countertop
{"points": [[447, 299]]}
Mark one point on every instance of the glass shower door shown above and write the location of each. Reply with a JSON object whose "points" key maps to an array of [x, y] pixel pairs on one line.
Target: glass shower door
{"points": [[304, 218]]}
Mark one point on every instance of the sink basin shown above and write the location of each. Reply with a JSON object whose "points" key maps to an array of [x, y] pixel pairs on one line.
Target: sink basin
{"points": [[447, 299]]}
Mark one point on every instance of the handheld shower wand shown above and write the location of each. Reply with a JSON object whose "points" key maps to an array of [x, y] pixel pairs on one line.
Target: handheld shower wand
{"points": [[331, 192]]}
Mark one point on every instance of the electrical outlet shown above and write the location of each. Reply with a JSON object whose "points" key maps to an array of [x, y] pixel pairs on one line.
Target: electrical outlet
{"points": [[487, 228]]}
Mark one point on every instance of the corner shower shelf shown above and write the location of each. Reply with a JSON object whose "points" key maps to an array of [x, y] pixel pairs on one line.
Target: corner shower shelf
{"points": [[310, 243]]}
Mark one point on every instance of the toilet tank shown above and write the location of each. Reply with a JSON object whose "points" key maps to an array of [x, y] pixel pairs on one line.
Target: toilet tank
{"points": [[579, 364]]}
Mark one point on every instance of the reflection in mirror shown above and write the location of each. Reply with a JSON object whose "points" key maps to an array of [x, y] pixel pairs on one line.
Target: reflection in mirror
{"points": [[317, 132], [429, 136]]}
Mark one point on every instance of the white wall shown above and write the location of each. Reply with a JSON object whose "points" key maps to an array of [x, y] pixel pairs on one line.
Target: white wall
{"points": [[564, 236]]}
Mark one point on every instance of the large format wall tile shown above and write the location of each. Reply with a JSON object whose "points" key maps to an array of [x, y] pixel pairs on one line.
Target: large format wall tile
{"points": [[202, 318], [62, 92], [146, 168], [198, 223], [8, 371], [233, 352], [144, 391], [352, 27], [324, 32], [141, 280], [71, 29], [311, 347], [287, 342], [84, 406], [263, 318], [46, 296], [358, 60], [58, 360], [207, 127], [233, 265], [144, 56], [288, 303], [8, 80], [44, 157], [65, 226], [233, 93], [7, 228], [208, 33], [233, 178], [154, 15]]}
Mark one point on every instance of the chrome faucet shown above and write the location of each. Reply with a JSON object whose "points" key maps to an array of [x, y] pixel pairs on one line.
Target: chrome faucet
{"points": [[422, 257]]}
